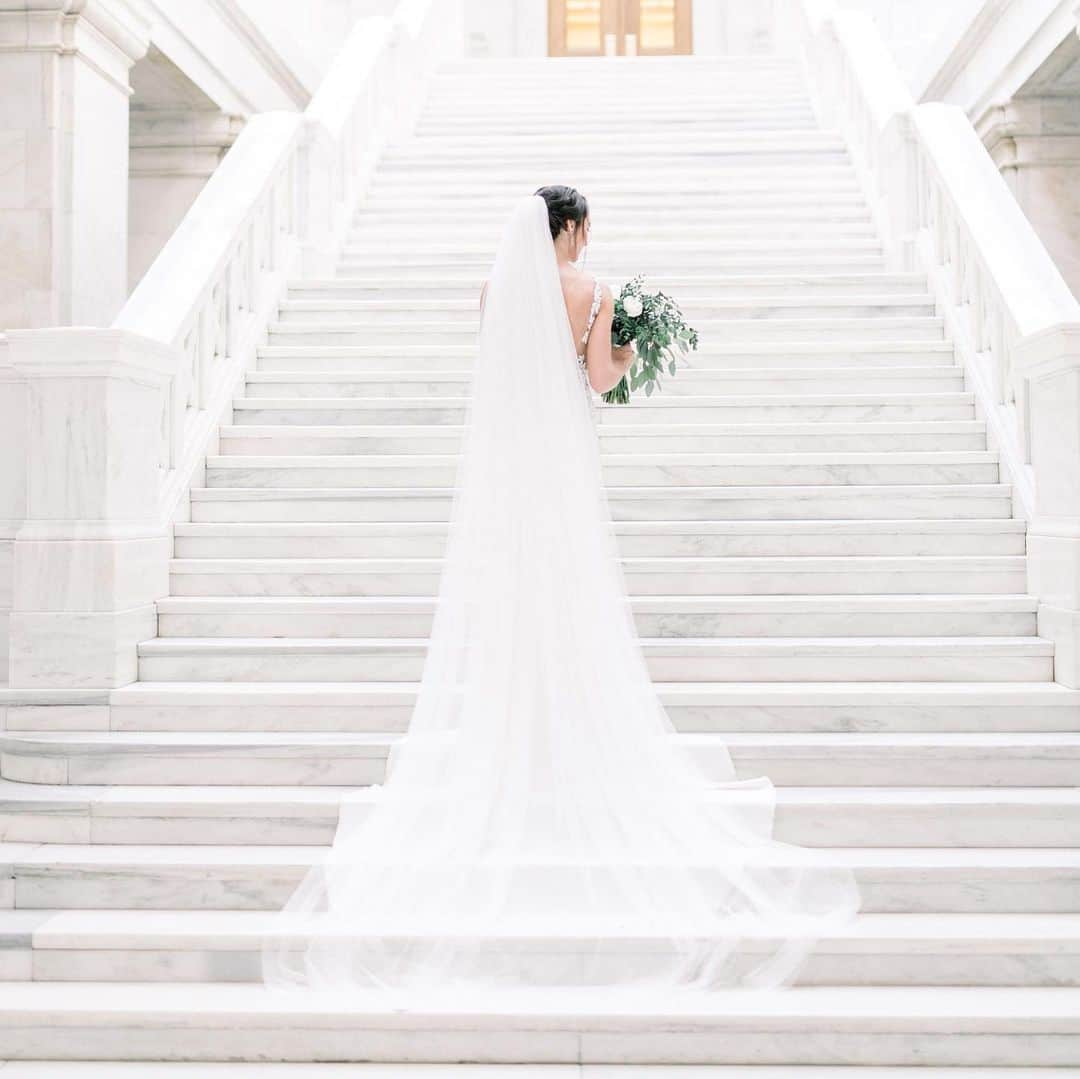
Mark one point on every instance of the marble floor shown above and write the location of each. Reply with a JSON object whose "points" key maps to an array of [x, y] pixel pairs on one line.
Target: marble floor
{"points": [[48, 1070]]}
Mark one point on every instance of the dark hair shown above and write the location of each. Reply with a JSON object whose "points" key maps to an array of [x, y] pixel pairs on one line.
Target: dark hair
{"points": [[563, 204]]}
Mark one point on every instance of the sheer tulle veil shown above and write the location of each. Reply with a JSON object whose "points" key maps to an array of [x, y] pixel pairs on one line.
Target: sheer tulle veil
{"points": [[540, 823]]}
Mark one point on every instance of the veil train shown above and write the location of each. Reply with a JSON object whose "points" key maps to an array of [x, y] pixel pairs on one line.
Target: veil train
{"points": [[540, 824]]}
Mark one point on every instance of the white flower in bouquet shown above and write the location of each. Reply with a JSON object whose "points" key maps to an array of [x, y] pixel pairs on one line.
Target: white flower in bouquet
{"points": [[653, 323]]}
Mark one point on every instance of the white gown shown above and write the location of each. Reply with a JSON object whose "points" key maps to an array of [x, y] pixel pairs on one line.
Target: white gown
{"points": [[540, 825]]}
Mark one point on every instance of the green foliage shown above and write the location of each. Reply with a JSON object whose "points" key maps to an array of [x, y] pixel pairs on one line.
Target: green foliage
{"points": [[659, 334]]}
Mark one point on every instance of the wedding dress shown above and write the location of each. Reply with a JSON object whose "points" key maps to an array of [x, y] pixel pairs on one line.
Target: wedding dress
{"points": [[540, 824]]}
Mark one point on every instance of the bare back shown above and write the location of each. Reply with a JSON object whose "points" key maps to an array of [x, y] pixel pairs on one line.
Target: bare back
{"points": [[578, 290]]}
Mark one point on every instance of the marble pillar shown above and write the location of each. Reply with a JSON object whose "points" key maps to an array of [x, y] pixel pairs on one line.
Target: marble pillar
{"points": [[64, 89], [1035, 142]]}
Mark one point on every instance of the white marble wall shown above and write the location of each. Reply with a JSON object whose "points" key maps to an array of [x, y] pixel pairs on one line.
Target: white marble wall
{"points": [[911, 27], [308, 35], [173, 154], [1050, 197]]}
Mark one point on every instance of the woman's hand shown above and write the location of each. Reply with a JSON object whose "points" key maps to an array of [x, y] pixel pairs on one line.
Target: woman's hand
{"points": [[623, 355]]}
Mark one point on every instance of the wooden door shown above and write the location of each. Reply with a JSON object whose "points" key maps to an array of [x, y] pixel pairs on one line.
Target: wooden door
{"points": [[619, 27]]}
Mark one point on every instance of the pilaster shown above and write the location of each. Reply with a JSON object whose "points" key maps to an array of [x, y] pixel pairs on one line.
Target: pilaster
{"points": [[64, 88]]}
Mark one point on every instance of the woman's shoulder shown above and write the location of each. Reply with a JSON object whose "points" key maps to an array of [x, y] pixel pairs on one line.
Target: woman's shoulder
{"points": [[590, 286], [601, 292]]}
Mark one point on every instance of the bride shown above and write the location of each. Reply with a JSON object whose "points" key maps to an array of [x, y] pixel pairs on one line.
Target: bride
{"points": [[540, 824]]}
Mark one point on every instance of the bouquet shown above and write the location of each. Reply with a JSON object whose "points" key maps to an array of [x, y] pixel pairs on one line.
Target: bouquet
{"points": [[654, 323]]}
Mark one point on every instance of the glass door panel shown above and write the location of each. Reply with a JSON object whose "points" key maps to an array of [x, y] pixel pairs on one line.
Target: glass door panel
{"points": [[620, 27], [584, 26]]}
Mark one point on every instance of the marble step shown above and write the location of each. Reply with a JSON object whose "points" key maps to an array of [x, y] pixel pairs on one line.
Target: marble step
{"points": [[619, 469], [621, 227], [463, 285], [856, 707], [769, 230], [695, 576], [517, 121], [662, 616], [628, 194], [859, 659], [614, 187], [729, 330], [527, 76], [527, 125], [506, 122], [738, 155], [765, 172], [129, 1070], [627, 213], [698, 576], [302, 816], [652, 255], [534, 127], [374, 312], [867, 437], [628, 199], [653, 504], [623, 264], [710, 362], [226, 946], [663, 408], [346, 759], [762, 168], [542, 110], [664, 539], [604, 145], [539, 86], [698, 386], [806, 1025], [890, 879]]}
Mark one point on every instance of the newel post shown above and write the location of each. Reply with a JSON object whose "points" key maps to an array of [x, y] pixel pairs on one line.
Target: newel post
{"points": [[1047, 368], [92, 555]]}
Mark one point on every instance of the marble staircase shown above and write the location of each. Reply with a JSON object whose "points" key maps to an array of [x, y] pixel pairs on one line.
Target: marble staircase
{"points": [[823, 564]]}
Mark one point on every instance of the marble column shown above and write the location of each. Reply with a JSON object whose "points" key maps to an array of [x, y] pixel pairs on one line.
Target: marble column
{"points": [[64, 89], [1035, 142]]}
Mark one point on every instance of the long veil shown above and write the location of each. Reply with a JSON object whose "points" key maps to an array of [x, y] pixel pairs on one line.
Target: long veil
{"points": [[539, 824]]}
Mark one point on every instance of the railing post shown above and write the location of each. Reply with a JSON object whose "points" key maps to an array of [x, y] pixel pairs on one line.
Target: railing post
{"points": [[898, 185], [1047, 366]]}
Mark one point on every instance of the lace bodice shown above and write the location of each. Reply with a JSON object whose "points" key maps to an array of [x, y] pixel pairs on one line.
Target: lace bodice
{"points": [[597, 297], [582, 368]]}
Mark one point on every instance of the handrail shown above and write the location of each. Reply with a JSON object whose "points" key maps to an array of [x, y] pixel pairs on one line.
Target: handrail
{"points": [[279, 203], [1011, 254], [942, 206]]}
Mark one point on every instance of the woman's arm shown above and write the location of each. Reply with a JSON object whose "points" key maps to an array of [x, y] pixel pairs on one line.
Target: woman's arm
{"points": [[606, 365]]}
